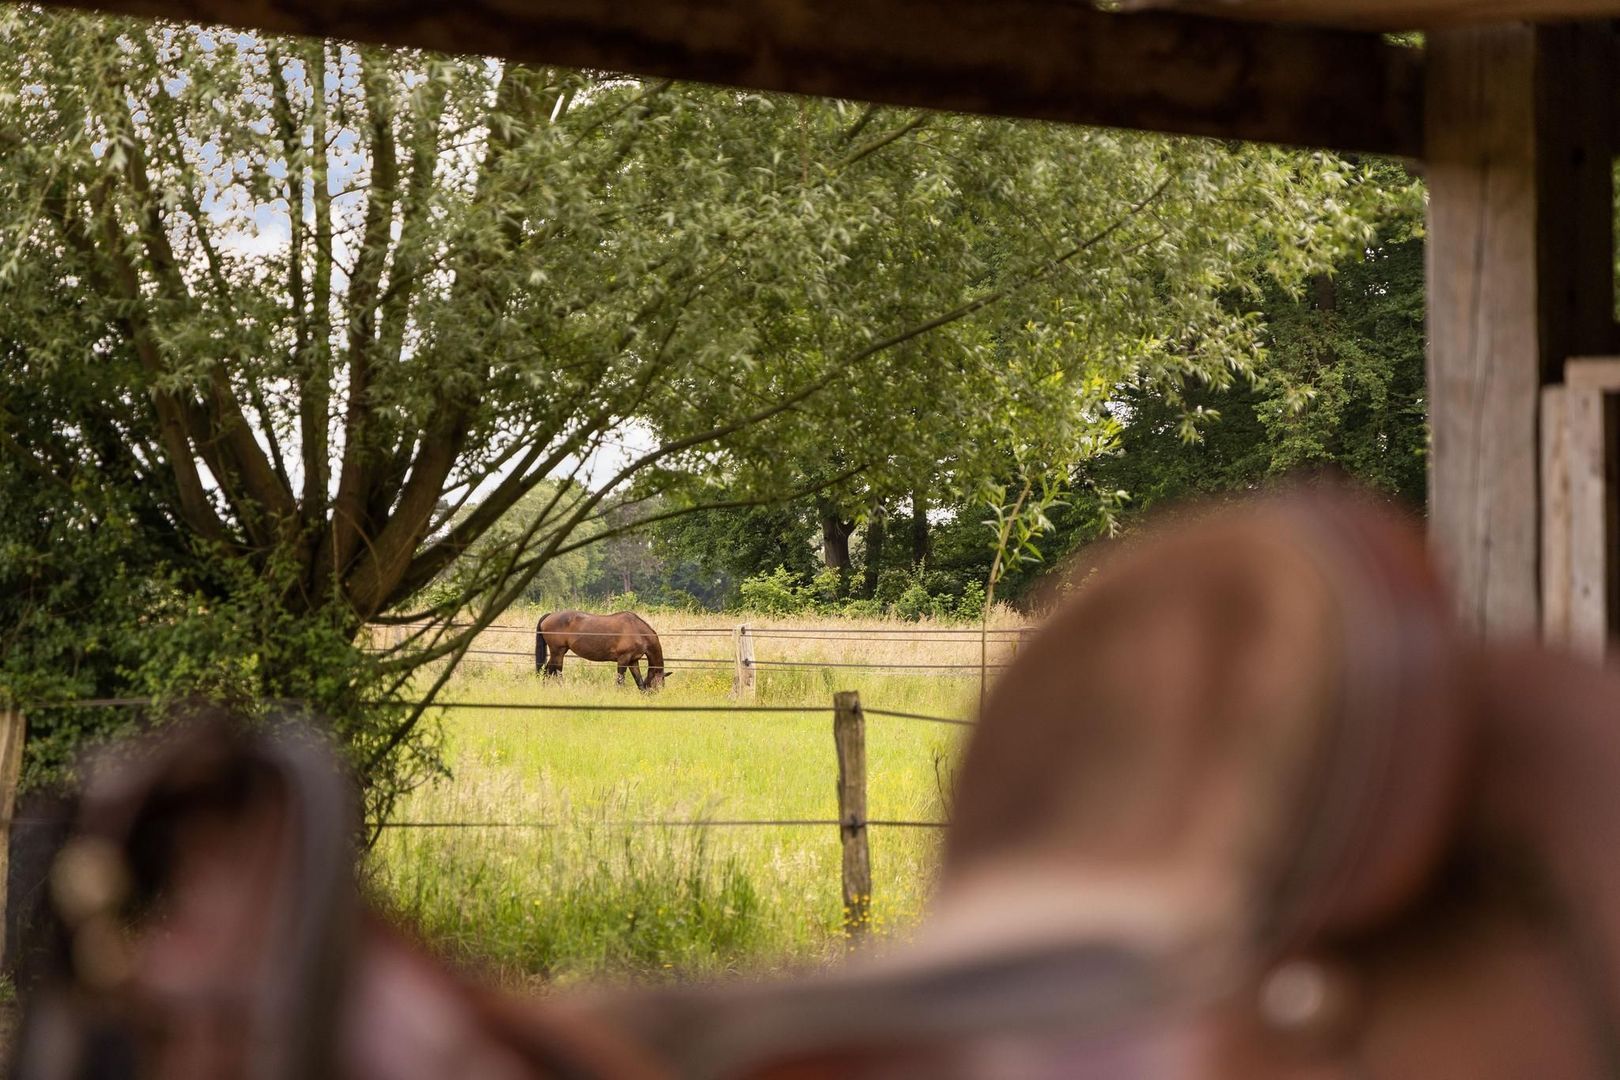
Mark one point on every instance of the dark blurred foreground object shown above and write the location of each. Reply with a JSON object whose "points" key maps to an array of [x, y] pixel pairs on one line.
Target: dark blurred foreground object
{"points": [[1247, 808]]}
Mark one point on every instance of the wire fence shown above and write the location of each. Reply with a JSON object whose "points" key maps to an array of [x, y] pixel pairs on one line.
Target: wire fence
{"points": [[671, 823], [507, 706], [812, 632], [849, 734], [720, 661], [785, 633]]}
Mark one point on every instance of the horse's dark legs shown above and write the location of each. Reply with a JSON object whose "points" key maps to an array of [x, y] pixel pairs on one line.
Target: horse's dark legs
{"points": [[554, 664], [635, 671], [620, 679]]}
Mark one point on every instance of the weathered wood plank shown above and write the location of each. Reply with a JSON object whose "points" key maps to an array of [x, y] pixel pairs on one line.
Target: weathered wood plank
{"points": [[849, 732], [742, 683], [1589, 437], [1394, 14], [1555, 517], [13, 733], [1025, 58], [1516, 174]]}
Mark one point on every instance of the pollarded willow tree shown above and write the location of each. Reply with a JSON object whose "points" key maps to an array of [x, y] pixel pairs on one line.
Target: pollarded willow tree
{"points": [[297, 323]]}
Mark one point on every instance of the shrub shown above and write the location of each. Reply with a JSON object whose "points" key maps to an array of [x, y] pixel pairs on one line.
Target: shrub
{"points": [[825, 587], [775, 593], [916, 603], [890, 584], [970, 605]]}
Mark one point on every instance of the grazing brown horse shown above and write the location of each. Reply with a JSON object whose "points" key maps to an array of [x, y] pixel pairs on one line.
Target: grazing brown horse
{"points": [[623, 637]]}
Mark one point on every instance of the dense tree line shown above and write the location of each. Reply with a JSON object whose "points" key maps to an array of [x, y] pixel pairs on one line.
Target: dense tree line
{"points": [[1341, 388]]}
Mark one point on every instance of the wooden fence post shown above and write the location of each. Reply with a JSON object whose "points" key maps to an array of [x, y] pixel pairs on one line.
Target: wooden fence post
{"points": [[13, 728], [849, 732], [743, 683]]}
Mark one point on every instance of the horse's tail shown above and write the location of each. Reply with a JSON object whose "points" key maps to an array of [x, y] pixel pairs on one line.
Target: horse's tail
{"points": [[540, 643]]}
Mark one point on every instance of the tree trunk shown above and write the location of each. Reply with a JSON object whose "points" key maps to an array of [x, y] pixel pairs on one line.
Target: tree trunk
{"points": [[835, 533], [1325, 292], [877, 534], [919, 527]]}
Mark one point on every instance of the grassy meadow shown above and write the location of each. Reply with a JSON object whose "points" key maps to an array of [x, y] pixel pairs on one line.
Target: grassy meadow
{"points": [[595, 897]]}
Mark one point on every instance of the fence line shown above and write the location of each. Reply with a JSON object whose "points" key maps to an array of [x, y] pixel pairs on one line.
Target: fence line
{"points": [[547, 706], [536, 706], [786, 633], [726, 662], [661, 823], [871, 664], [856, 631], [849, 736], [894, 715]]}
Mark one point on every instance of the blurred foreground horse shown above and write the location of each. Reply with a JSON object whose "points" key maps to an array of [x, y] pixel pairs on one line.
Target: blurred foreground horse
{"points": [[624, 638], [1247, 808]]}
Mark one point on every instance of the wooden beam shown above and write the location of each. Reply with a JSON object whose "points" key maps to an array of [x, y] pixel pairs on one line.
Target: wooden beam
{"points": [[1038, 59], [1521, 277], [13, 733], [1591, 515], [1393, 14]]}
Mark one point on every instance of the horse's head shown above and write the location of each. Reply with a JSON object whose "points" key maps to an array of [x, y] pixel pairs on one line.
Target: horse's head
{"points": [[656, 677]]}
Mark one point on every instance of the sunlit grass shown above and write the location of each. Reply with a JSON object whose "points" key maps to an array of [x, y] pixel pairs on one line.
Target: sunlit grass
{"points": [[596, 897]]}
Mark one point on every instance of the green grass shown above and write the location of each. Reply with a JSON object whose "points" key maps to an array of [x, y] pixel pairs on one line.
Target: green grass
{"points": [[594, 898]]}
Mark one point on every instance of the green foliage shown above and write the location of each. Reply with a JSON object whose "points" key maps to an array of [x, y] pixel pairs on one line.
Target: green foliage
{"points": [[891, 583], [970, 606], [915, 604], [308, 320], [901, 594], [776, 593], [825, 587]]}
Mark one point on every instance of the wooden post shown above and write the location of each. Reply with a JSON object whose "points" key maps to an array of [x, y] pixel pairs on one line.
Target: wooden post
{"points": [[849, 732], [1520, 277], [13, 730], [1580, 511], [1555, 518], [742, 683]]}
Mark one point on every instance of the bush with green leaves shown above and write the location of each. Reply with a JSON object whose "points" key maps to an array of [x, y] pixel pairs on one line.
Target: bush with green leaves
{"points": [[776, 593]]}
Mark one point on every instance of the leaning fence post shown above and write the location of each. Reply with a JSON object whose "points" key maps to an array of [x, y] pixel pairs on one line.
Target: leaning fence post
{"points": [[743, 683], [13, 729], [849, 732]]}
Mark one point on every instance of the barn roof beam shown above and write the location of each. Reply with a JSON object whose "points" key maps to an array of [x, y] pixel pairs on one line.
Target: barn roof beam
{"points": [[1395, 14], [1040, 59]]}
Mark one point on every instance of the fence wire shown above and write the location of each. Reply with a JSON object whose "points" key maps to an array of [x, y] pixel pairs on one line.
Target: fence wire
{"points": [[666, 823], [784, 633], [532, 706], [721, 661]]}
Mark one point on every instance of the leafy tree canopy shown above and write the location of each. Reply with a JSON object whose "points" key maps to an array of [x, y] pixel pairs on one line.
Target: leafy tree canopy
{"points": [[295, 324]]}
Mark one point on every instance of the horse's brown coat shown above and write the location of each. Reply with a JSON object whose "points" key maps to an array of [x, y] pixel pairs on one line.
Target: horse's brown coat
{"points": [[623, 638]]}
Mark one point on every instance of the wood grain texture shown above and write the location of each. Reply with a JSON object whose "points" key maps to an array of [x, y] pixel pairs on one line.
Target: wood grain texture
{"points": [[1589, 437], [849, 732], [13, 733], [742, 681], [1516, 173], [1022, 58], [1393, 14], [1555, 517]]}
